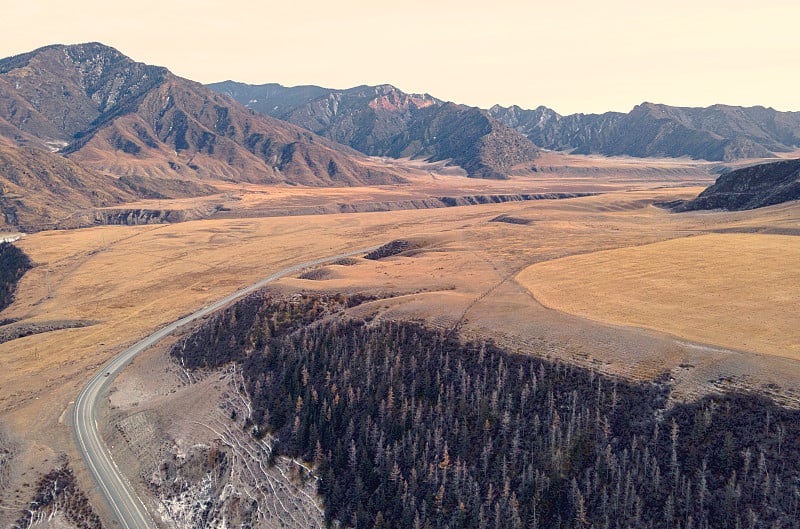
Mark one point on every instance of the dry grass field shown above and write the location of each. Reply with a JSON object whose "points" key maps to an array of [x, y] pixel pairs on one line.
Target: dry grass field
{"points": [[735, 290], [472, 274], [558, 173]]}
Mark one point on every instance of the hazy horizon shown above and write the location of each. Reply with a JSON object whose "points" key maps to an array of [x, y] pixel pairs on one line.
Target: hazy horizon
{"points": [[575, 57]]}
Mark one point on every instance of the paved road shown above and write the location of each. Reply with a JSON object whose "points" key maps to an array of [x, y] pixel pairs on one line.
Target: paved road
{"points": [[119, 494]]}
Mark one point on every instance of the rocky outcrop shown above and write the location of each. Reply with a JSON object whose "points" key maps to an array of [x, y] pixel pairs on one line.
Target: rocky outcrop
{"points": [[750, 188], [471, 200], [396, 205], [135, 217]]}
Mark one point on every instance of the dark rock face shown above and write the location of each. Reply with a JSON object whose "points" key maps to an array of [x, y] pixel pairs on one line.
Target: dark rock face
{"points": [[384, 121], [750, 188], [717, 133]]}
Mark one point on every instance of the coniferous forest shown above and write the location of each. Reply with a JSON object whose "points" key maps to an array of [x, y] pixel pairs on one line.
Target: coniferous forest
{"points": [[408, 427], [13, 265]]}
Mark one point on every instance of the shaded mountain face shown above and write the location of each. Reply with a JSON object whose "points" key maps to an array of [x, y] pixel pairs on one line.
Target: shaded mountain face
{"points": [[38, 187], [115, 116], [384, 121], [716, 133], [750, 188], [43, 190]]}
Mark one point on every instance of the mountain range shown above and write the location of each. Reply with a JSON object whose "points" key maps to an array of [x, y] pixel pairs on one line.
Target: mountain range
{"points": [[85, 127], [124, 129], [384, 121], [716, 133]]}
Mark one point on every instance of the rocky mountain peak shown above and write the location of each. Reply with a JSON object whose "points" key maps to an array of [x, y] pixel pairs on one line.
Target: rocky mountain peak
{"points": [[523, 120], [384, 89], [653, 109], [396, 101], [65, 90]]}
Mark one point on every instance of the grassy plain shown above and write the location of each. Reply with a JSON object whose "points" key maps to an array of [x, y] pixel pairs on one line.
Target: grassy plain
{"points": [[736, 290]]}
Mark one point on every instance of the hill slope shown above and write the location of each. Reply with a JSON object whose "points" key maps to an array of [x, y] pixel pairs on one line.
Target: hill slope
{"points": [[750, 188], [111, 114], [40, 189], [716, 133], [384, 121]]}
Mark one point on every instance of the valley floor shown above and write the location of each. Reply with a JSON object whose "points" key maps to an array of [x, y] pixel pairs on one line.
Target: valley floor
{"points": [[585, 280]]}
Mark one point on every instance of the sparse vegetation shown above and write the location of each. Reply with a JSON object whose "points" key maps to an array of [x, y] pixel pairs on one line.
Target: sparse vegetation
{"points": [[315, 274], [511, 220], [735, 290], [347, 261], [58, 492], [13, 265], [393, 248], [408, 427]]}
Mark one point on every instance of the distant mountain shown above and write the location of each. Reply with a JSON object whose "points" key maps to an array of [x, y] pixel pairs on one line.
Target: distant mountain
{"points": [[384, 121], [112, 114], [717, 133], [750, 188], [85, 126]]}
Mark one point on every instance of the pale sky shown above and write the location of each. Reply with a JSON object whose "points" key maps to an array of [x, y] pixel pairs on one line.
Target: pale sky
{"points": [[569, 55]]}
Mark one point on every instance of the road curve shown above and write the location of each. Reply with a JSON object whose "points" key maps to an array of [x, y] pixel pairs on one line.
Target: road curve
{"points": [[122, 499]]}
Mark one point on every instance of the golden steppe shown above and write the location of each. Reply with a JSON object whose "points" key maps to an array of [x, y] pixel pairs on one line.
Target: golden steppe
{"points": [[736, 290], [601, 281]]}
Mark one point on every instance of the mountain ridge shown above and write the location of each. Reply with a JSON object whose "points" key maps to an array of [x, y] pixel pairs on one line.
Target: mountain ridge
{"points": [[716, 133], [382, 120], [84, 126], [409, 122], [93, 99], [100, 122]]}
